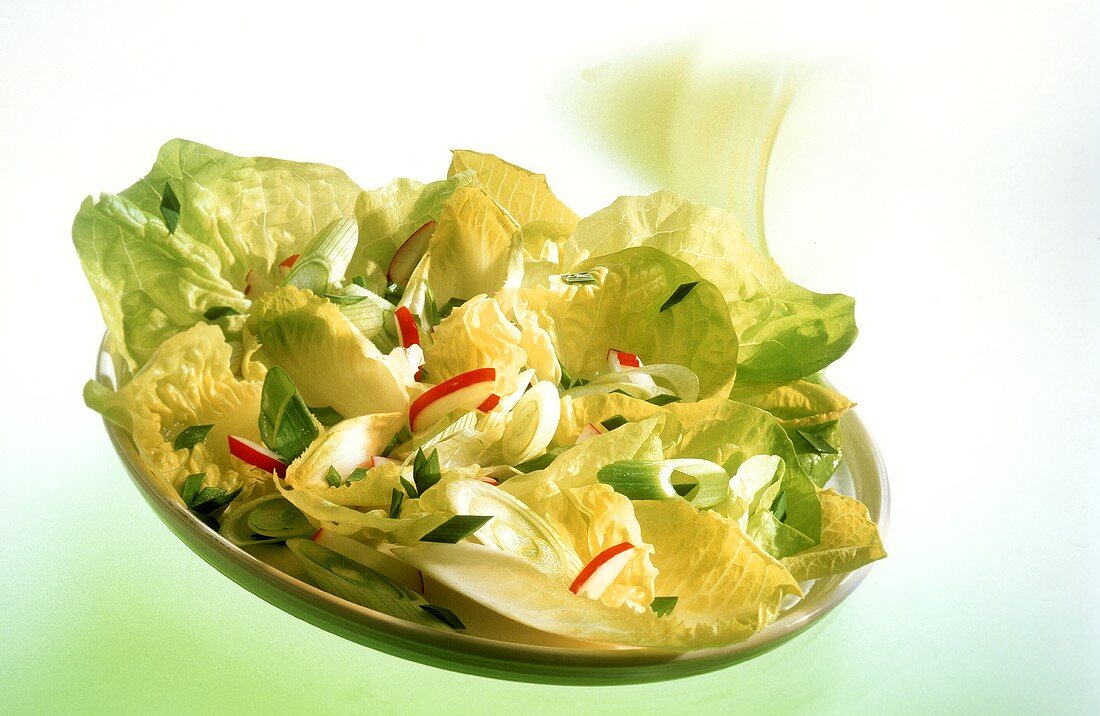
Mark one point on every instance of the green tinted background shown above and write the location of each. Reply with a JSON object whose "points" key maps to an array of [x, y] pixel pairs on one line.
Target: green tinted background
{"points": [[943, 173]]}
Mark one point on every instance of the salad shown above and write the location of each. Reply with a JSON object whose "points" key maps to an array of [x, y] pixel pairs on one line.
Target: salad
{"points": [[459, 402]]}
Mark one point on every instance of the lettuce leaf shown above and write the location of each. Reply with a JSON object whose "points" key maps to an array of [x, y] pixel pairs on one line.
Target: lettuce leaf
{"points": [[524, 195], [795, 405], [188, 381], [849, 540], [477, 334], [786, 332], [390, 214], [622, 310], [346, 446], [236, 214], [474, 248], [329, 360]]}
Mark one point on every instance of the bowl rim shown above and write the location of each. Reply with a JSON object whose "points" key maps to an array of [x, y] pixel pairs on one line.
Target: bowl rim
{"points": [[475, 654]]}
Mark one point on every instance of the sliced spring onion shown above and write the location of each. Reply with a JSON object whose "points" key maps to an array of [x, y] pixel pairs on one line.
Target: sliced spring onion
{"points": [[448, 308], [701, 482], [663, 606], [215, 312], [286, 426], [356, 475], [580, 278], [345, 299], [444, 615], [615, 421], [425, 470], [170, 208], [531, 424], [191, 436], [325, 259], [663, 399], [818, 442], [410, 489], [363, 308], [456, 528], [326, 416], [542, 461], [360, 584], [678, 295], [333, 477], [396, 498], [278, 519]]}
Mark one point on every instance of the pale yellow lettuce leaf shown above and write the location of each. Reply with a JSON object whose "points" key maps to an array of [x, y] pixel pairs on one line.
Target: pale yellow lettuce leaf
{"points": [[849, 540], [525, 195]]}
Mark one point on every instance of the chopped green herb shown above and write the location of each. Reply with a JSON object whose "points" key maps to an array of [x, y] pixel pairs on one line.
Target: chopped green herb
{"points": [[663, 606], [210, 499], [393, 293], [344, 300], [678, 295], [191, 487], [356, 475], [410, 489], [542, 461], [450, 306], [326, 416], [663, 399], [456, 529], [615, 421], [396, 498], [402, 435], [779, 506], [215, 312], [581, 278], [286, 425], [359, 281], [170, 208], [333, 477], [191, 436], [425, 470], [444, 615], [566, 379], [818, 442], [431, 309]]}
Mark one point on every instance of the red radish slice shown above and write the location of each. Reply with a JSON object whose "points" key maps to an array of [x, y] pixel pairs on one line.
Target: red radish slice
{"points": [[317, 534], [408, 255], [598, 574], [465, 391], [256, 455], [619, 360], [491, 402], [406, 327], [490, 480], [288, 263], [590, 431], [247, 289]]}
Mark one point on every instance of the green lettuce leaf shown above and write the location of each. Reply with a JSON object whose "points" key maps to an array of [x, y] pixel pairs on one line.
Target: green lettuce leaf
{"points": [[188, 381], [235, 214], [391, 214], [622, 310], [795, 405], [786, 332], [524, 195], [329, 360], [849, 540], [474, 249]]}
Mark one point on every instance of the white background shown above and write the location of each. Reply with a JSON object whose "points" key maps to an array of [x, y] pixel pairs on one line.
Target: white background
{"points": [[944, 169]]}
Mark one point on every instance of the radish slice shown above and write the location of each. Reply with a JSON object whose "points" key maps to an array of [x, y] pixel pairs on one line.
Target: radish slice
{"points": [[598, 574], [288, 263], [621, 360], [406, 327], [256, 455], [491, 402], [408, 255], [465, 391], [590, 431], [488, 480]]}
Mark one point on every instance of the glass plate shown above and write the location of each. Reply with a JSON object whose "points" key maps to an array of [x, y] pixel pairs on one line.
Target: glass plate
{"points": [[861, 474]]}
